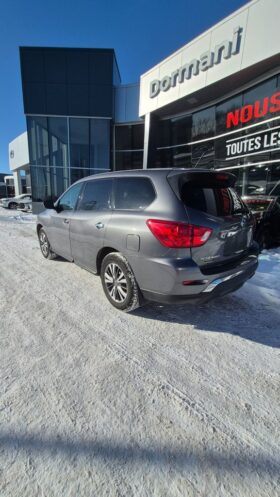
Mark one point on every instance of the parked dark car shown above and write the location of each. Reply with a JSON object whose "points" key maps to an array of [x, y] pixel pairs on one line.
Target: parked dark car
{"points": [[266, 212], [164, 235]]}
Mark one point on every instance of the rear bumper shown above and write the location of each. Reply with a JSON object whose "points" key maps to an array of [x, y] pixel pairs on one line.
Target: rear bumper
{"points": [[220, 289], [214, 285]]}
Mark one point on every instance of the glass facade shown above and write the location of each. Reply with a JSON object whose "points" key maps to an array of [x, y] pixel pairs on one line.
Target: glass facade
{"points": [[68, 96], [240, 134], [63, 150]]}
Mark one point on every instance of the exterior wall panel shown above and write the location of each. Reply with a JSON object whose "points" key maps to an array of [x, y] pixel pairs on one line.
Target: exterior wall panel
{"points": [[68, 81], [18, 152]]}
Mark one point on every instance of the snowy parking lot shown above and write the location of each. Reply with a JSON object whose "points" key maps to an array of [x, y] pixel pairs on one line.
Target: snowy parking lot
{"points": [[165, 401]]}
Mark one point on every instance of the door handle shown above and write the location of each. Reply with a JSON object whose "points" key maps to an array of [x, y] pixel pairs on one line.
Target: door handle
{"points": [[66, 221], [99, 226]]}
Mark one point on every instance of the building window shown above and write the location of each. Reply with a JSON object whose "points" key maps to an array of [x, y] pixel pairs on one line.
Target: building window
{"points": [[171, 148], [203, 154], [38, 140], [129, 145], [222, 111], [99, 145], [129, 137], [257, 100], [128, 160], [58, 150], [64, 150], [204, 124], [41, 183], [79, 142]]}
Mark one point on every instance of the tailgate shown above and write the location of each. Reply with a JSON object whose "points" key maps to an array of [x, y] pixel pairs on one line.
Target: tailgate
{"points": [[211, 201]]}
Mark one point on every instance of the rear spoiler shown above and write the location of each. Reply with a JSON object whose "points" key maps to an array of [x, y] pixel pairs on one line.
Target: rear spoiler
{"points": [[200, 178]]}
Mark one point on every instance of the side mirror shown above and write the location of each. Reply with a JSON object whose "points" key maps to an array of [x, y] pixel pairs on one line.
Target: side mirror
{"points": [[49, 204]]}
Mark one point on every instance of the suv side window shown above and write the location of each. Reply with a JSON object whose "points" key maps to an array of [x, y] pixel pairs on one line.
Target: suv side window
{"points": [[133, 193], [68, 201], [96, 196]]}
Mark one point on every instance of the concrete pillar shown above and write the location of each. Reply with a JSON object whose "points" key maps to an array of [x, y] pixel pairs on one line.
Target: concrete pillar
{"points": [[150, 133], [146, 140], [17, 183]]}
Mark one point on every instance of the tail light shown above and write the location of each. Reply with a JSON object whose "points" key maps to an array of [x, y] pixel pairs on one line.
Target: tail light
{"points": [[178, 235]]}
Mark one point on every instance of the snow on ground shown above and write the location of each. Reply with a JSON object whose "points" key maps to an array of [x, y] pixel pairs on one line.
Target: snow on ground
{"points": [[165, 401]]}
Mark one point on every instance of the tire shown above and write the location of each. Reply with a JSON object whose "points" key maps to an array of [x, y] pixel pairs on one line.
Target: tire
{"points": [[125, 295], [45, 245], [12, 205]]}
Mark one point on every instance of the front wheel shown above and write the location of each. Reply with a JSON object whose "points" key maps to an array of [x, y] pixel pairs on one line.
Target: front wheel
{"points": [[45, 245], [119, 283], [12, 205]]}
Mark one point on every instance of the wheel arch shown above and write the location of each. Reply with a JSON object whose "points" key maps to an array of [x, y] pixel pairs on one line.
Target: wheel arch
{"points": [[100, 256], [38, 227]]}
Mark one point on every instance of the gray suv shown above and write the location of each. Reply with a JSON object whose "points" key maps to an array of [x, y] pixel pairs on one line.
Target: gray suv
{"points": [[163, 235]]}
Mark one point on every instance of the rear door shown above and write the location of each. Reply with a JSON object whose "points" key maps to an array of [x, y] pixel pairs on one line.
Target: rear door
{"points": [[89, 224], [210, 201]]}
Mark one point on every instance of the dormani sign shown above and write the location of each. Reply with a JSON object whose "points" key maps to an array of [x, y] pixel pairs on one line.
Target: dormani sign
{"points": [[206, 61]]}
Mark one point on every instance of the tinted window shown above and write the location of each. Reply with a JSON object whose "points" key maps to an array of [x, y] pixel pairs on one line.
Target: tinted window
{"points": [[222, 110], [259, 93], [133, 193], [38, 140], [181, 129], [99, 144], [129, 160], [203, 154], [129, 137], [204, 123], [214, 201], [69, 199], [79, 142], [96, 196]]}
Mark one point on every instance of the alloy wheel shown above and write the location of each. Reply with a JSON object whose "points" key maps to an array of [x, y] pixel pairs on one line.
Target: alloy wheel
{"points": [[44, 243], [116, 282]]}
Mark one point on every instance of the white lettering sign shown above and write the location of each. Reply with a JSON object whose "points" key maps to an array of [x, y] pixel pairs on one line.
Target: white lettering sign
{"points": [[263, 142], [208, 59]]}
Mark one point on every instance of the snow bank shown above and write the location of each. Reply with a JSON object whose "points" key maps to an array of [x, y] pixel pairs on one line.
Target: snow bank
{"points": [[264, 287]]}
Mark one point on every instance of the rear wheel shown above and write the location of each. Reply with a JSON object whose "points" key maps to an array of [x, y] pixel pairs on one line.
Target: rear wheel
{"points": [[45, 245], [119, 283]]}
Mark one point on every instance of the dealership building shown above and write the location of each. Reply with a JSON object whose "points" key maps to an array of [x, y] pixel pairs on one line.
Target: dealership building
{"points": [[214, 103]]}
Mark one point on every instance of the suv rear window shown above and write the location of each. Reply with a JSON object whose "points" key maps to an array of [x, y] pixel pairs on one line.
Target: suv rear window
{"points": [[133, 193], [215, 201]]}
